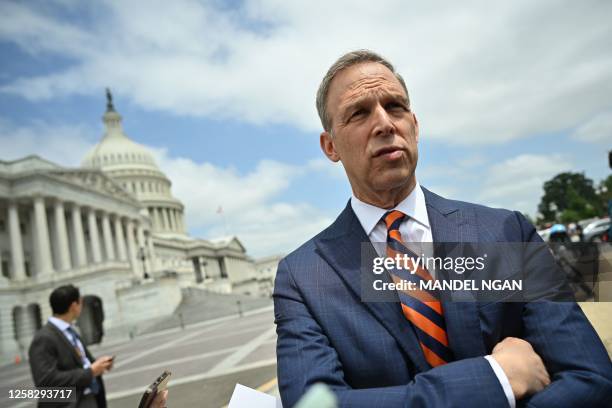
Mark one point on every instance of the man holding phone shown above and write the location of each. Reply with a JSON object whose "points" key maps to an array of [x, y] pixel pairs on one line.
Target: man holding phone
{"points": [[58, 357]]}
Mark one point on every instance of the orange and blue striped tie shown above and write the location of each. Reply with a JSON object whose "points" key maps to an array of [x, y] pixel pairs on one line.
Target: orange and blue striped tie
{"points": [[421, 307]]}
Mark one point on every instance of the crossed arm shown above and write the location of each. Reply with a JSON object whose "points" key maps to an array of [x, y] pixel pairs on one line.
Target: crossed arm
{"points": [[305, 357]]}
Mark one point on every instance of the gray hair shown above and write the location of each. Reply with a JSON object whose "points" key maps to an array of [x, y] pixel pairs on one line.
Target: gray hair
{"points": [[347, 60]]}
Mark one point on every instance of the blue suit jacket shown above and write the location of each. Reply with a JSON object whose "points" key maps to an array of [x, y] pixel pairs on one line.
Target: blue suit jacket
{"points": [[368, 353]]}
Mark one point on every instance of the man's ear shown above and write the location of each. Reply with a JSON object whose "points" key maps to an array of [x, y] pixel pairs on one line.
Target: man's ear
{"points": [[416, 128], [74, 306], [328, 146]]}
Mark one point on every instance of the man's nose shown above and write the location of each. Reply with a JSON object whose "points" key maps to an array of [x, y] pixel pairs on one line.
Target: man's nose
{"points": [[383, 125]]}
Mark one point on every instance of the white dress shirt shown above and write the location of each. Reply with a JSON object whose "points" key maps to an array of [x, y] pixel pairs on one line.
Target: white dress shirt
{"points": [[63, 327], [414, 229]]}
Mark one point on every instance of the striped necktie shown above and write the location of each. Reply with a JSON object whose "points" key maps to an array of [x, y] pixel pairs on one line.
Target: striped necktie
{"points": [[94, 386], [422, 308]]}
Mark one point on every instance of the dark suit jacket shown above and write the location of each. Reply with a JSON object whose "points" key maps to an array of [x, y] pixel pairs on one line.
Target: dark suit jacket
{"points": [[368, 353], [55, 363]]}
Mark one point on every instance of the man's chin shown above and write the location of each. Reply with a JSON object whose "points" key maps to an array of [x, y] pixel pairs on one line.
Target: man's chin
{"points": [[394, 181]]}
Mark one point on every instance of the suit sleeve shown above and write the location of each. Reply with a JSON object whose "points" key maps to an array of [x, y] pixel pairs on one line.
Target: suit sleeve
{"points": [[44, 365], [559, 332], [305, 357]]}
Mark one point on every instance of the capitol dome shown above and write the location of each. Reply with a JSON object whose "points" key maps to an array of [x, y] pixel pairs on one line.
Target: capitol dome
{"points": [[132, 165], [116, 151]]}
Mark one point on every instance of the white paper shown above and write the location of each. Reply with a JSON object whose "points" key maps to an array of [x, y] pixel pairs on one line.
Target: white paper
{"points": [[245, 397]]}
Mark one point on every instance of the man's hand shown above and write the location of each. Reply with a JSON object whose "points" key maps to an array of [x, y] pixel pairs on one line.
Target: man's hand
{"points": [[160, 400], [101, 365], [523, 367]]}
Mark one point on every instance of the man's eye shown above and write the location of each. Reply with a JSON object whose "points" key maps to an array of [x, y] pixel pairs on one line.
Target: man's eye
{"points": [[395, 106], [357, 113]]}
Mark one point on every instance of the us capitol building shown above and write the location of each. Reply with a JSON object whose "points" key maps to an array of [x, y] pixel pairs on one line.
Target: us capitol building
{"points": [[112, 228]]}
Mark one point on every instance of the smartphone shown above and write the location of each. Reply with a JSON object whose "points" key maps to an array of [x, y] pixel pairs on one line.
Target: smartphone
{"points": [[159, 385]]}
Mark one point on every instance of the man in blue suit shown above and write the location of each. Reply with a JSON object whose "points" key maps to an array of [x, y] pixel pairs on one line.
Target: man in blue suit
{"points": [[383, 354]]}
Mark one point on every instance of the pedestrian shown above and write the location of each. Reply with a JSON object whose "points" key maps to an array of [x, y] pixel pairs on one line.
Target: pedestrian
{"points": [[59, 358]]}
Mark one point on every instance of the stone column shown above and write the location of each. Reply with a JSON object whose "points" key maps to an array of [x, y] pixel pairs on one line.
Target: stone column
{"points": [[166, 212], [169, 215], [94, 238], [79, 237], [174, 220], [177, 228], [154, 219], [181, 217], [177, 217], [158, 226], [142, 245], [152, 256], [140, 236], [160, 217], [171, 219], [41, 235], [166, 219], [132, 250], [16, 244], [119, 239], [108, 239], [151, 216], [61, 237]]}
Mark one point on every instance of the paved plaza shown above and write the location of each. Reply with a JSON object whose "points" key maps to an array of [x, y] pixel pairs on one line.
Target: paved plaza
{"points": [[206, 359]]}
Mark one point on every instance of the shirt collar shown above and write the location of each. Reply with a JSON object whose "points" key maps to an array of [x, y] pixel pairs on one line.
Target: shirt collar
{"points": [[59, 323], [413, 205]]}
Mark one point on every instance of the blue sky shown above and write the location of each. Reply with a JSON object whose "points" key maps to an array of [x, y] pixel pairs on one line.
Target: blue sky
{"points": [[223, 92]]}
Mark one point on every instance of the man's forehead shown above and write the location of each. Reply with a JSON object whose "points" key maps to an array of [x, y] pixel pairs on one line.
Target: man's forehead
{"points": [[367, 74], [362, 80]]}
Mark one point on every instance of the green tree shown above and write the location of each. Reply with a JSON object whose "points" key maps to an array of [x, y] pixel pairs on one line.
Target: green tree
{"points": [[569, 197], [605, 192]]}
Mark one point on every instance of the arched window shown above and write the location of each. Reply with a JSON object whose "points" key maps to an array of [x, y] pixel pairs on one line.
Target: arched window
{"points": [[17, 313], [5, 265]]}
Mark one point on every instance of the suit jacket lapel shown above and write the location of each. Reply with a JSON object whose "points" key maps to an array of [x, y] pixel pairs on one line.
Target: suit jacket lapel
{"points": [[341, 247], [62, 338], [449, 225]]}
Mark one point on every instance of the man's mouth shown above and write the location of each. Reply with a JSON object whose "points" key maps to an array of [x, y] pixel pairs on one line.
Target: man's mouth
{"points": [[389, 152]]}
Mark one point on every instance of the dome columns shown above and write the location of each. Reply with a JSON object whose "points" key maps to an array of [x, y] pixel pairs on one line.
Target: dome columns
{"points": [[167, 219]]}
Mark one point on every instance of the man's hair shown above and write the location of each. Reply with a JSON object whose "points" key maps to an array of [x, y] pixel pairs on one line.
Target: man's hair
{"points": [[347, 60], [61, 298]]}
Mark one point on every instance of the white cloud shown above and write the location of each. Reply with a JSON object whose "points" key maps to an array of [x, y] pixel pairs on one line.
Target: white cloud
{"points": [[63, 144], [517, 182], [329, 168], [275, 227], [597, 129], [479, 72], [252, 204]]}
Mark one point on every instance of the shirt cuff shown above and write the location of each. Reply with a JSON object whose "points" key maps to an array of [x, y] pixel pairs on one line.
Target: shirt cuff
{"points": [[503, 380]]}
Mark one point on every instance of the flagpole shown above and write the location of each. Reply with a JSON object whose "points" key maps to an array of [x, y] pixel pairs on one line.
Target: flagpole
{"points": [[220, 212]]}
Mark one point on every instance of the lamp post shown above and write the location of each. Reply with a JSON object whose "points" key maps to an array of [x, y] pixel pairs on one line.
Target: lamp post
{"points": [[143, 257]]}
